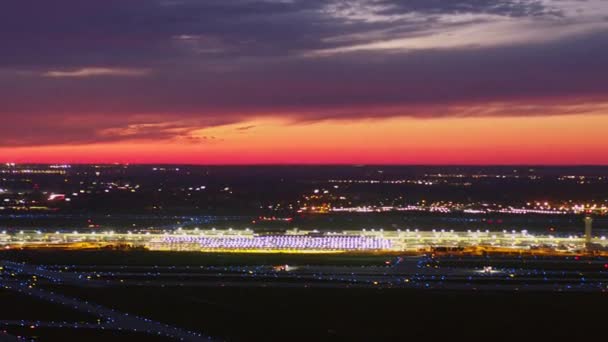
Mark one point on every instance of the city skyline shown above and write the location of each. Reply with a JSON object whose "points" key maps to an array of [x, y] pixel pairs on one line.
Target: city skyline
{"points": [[304, 82]]}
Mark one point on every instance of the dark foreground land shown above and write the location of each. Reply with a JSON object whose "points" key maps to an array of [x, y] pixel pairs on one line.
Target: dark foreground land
{"points": [[157, 258], [258, 313], [352, 314]]}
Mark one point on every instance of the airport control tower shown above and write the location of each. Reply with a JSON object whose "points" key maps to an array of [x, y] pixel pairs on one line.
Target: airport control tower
{"points": [[588, 225]]}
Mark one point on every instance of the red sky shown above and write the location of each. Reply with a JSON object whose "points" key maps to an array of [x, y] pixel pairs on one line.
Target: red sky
{"points": [[575, 139]]}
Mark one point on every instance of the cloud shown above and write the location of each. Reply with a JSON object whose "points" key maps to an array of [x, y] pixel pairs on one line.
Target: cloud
{"points": [[392, 11], [475, 35], [245, 128], [67, 33], [198, 139], [192, 128], [74, 73], [62, 129], [95, 71]]}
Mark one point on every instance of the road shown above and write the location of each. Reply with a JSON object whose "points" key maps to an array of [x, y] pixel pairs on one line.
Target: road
{"points": [[111, 318]]}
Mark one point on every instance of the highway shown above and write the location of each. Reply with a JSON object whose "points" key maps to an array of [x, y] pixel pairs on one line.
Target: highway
{"points": [[112, 319]]}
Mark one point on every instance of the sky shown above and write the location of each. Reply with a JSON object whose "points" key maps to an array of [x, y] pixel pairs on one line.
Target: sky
{"points": [[304, 81]]}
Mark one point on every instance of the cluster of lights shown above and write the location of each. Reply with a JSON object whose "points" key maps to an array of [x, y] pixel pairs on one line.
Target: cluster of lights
{"points": [[375, 181], [443, 209], [381, 209], [34, 171], [296, 242], [531, 211]]}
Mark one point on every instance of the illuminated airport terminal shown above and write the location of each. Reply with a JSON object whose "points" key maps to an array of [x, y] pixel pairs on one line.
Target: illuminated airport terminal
{"points": [[310, 241]]}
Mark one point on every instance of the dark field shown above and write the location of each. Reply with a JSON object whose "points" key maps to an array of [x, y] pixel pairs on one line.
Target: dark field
{"points": [[149, 258], [243, 313], [561, 224], [359, 314], [89, 335], [21, 307]]}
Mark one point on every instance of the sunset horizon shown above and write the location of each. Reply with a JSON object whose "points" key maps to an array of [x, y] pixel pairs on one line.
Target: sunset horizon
{"points": [[298, 170], [305, 82], [475, 141]]}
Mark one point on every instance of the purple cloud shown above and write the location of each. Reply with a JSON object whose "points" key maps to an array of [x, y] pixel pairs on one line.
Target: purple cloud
{"points": [[75, 72]]}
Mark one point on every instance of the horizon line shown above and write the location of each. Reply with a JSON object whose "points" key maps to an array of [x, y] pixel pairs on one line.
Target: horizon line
{"points": [[303, 164]]}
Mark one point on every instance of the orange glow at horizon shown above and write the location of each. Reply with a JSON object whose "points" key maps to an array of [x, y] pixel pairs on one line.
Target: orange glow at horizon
{"points": [[572, 139]]}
